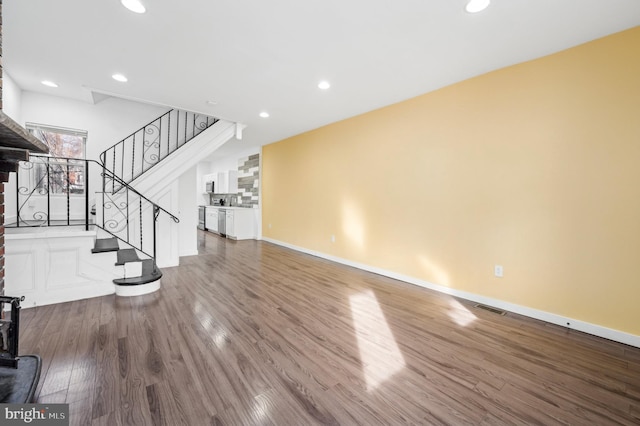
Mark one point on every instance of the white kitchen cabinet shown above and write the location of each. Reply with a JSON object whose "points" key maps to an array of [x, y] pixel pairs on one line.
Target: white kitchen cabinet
{"points": [[209, 178], [240, 224], [227, 182], [211, 219], [231, 231]]}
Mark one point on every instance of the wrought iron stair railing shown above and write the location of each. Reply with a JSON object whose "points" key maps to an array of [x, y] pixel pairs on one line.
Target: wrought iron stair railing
{"points": [[55, 191], [152, 143]]}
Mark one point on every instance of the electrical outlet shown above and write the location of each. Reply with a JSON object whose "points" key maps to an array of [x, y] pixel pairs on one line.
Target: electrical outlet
{"points": [[333, 238], [269, 226], [498, 271]]}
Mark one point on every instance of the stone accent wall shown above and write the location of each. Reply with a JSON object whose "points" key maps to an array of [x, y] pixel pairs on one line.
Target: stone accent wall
{"points": [[249, 180]]}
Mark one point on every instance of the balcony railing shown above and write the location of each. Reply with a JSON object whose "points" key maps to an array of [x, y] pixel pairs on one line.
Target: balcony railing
{"points": [[53, 191]]}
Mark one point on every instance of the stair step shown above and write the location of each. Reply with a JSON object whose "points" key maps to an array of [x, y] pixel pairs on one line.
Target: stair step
{"points": [[150, 273], [127, 255], [103, 245]]}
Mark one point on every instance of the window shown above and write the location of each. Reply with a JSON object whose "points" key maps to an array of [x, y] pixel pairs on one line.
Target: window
{"points": [[63, 171]]}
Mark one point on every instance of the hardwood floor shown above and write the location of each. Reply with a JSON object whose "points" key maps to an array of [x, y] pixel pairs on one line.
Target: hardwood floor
{"points": [[249, 333]]}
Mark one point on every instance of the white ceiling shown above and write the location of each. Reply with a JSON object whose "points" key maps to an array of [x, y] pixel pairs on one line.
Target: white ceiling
{"points": [[253, 56]]}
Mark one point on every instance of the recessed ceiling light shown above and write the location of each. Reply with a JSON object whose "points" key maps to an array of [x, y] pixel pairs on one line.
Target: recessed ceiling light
{"points": [[264, 114], [134, 5], [324, 85], [49, 83], [119, 77], [475, 6]]}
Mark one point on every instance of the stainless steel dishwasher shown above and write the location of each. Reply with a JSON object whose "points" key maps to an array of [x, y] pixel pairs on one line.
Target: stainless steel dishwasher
{"points": [[222, 222]]}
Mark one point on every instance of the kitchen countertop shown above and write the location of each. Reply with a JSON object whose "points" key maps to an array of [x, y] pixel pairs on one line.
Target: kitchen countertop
{"points": [[230, 207]]}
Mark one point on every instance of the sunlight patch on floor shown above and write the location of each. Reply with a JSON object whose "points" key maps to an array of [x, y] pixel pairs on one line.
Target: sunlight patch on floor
{"points": [[379, 353], [459, 314], [218, 333]]}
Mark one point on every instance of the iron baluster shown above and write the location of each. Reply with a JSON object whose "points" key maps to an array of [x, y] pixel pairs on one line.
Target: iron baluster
{"points": [[185, 127], [103, 212], [127, 200], [122, 161], [86, 195], [168, 133], [144, 131], [156, 212], [113, 169], [18, 198], [48, 192], [140, 205], [68, 191], [133, 157], [159, 138]]}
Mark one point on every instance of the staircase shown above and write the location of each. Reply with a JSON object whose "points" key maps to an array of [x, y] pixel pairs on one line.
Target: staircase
{"points": [[127, 223]]}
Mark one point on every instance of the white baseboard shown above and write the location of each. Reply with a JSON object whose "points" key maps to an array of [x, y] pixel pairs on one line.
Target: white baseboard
{"points": [[594, 329], [189, 253]]}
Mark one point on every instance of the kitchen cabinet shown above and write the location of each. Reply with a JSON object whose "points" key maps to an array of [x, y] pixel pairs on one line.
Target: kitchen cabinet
{"points": [[211, 220], [224, 182], [227, 182], [237, 223], [231, 232], [206, 179], [240, 224]]}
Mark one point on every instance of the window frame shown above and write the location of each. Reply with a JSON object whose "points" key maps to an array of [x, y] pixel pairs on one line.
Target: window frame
{"points": [[37, 180]]}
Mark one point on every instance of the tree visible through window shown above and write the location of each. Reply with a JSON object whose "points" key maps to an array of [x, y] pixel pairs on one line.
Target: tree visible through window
{"points": [[64, 171]]}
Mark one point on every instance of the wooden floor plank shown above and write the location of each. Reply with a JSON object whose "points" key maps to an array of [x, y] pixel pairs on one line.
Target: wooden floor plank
{"points": [[250, 333]]}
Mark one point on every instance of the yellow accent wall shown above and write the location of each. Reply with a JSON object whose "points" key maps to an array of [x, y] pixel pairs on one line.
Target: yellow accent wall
{"points": [[535, 167]]}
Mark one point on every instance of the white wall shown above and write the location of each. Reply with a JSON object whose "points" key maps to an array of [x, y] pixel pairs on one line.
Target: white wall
{"points": [[106, 122], [202, 169], [11, 97], [188, 213], [220, 165]]}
